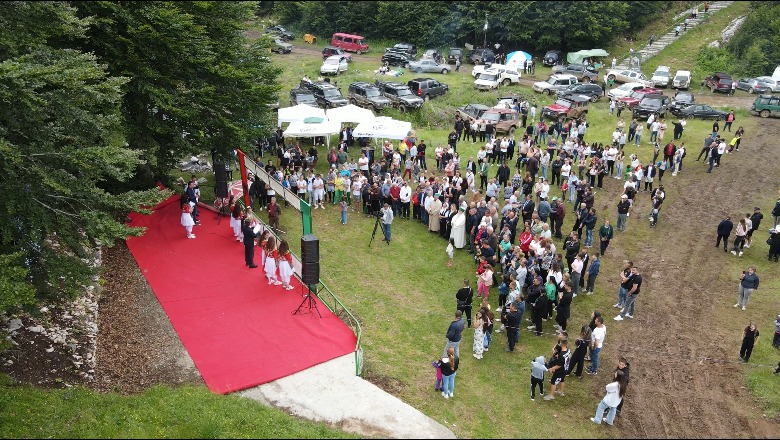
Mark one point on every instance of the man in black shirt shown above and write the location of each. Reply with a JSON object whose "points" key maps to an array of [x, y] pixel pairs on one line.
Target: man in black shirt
{"points": [[513, 321], [633, 292], [249, 244], [558, 367], [465, 297]]}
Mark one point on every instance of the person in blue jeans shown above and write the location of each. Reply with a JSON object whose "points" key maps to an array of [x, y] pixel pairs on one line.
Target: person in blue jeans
{"points": [[387, 221], [625, 284], [596, 343], [615, 392], [449, 368]]}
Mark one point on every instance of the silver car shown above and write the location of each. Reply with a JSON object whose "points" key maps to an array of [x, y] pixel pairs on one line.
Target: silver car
{"points": [[773, 84], [753, 85], [429, 66], [626, 76]]}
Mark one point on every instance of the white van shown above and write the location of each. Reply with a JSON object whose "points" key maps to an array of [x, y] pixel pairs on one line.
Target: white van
{"points": [[682, 80]]}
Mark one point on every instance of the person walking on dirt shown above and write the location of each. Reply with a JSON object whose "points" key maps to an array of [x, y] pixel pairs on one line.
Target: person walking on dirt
{"points": [[724, 230], [748, 283], [623, 207]]}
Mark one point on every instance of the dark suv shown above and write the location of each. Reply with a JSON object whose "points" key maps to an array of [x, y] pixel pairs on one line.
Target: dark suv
{"points": [[302, 95], [331, 50], [400, 95], [552, 57], [427, 88], [397, 59], [481, 56], [592, 91], [718, 82], [326, 94], [368, 96], [283, 33], [453, 54], [407, 48], [651, 104]]}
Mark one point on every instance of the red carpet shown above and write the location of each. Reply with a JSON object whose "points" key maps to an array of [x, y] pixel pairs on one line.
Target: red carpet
{"points": [[239, 330]]}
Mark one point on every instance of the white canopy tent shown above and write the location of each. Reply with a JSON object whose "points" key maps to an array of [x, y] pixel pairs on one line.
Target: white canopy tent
{"points": [[299, 112], [314, 129], [383, 127], [350, 113]]}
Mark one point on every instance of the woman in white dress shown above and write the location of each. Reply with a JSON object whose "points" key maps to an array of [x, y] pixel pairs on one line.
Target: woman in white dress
{"points": [[479, 335]]}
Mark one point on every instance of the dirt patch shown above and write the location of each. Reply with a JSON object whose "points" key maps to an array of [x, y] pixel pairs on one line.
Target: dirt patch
{"points": [[672, 390], [390, 385], [137, 346]]}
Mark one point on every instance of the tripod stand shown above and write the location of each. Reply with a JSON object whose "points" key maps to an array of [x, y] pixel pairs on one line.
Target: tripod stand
{"points": [[376, 226], [307, 298], [223, 209]]}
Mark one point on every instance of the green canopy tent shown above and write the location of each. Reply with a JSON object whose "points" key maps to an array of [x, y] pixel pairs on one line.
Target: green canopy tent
{"points": [[579, 57]]}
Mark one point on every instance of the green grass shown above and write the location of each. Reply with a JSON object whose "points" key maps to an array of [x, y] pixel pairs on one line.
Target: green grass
{"points": [[160, 412]]}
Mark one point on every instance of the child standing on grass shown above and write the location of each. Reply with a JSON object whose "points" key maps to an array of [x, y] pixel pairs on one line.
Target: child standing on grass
{"points": [[538, 369], [485, 279], [343, 205], [438, 386], [450, 251], [285, 264], [271, 255]]}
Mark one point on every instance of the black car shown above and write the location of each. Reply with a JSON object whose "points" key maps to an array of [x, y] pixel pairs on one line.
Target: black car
{"points": [[283, 33], [592, 91], [397, 59], [454, 54], [367, 96], [699, 111], [651, 104], [302, 96], [326, 94], [481, 56], [680, 101], [552, 57], [330, 51], [407, 48], [400, 95], [427, 88]]}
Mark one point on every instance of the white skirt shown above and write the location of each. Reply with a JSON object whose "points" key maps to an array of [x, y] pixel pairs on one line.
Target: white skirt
{"points": [[186, 219], [233, 224], [285, 270], [236, 227], [270, 267]]}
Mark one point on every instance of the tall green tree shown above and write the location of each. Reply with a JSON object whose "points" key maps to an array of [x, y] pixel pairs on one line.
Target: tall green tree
{"points": [[195, 82], [60, 139]]}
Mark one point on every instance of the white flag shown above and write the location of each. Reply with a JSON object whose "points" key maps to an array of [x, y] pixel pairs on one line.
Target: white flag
{"points": [[485, 28]]}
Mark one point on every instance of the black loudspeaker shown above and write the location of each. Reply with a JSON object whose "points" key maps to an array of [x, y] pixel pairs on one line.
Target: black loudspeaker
{"points": [[310, 259], [220, 175]]}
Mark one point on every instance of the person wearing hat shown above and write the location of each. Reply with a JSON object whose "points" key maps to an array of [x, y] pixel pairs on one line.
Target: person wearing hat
{"points": [[623, 206], [755, 222]]}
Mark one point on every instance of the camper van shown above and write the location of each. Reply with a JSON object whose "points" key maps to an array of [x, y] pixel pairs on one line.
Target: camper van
{"points": [[349, 42]]}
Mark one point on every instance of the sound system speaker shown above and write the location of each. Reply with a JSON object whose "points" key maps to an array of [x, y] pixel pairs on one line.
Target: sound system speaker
{"points": [[220, 175], [310, 259]]}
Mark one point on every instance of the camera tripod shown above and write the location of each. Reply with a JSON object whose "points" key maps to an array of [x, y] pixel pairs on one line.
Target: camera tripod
{"points": [[376, 226], [307, 299]]}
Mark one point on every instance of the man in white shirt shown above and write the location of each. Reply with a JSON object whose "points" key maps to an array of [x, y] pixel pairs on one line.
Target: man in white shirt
{"points": [[654, 131], [363, 164], [597, 342], [406, 197]]}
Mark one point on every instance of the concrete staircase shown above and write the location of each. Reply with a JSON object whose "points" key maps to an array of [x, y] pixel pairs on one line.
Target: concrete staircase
{"points": [[650, 50]]}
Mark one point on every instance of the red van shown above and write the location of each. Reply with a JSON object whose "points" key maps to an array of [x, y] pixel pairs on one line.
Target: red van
{"points": [[349, 42]]}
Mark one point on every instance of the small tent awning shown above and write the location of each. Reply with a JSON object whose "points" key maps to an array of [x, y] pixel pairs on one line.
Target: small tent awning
{"points": [[579, 57], [350, 113], [303, 129], [299, 113], [383, 127]]}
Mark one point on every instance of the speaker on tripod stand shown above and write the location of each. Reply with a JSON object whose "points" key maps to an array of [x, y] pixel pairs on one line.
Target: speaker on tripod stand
{"points": [[221, 190], [310, 271]]}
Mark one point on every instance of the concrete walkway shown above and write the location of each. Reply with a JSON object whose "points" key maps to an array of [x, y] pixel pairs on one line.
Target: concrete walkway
{"points": [[332, 393], [649, 51]]}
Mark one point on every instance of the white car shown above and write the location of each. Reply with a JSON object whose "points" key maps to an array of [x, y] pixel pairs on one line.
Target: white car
{"points": [[624, 90], [660, 77], [555, 83], [491, 78], [333, 65], [625, 76], [682, 80]]}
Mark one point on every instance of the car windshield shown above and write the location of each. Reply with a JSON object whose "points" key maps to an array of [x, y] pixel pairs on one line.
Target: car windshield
{"points": [[332, 93], [491, 117], [636, 94], [680, 77], [359, 42], [487, 76], [331, 61], [651, 102], [563, 103], [684, 97], [403, 92], [305, 98], [551, 80], [626, 87], [662, 73], [372, 93]]}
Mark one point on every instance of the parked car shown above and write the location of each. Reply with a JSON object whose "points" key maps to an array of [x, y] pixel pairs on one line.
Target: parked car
{"points": [[753, 85], [680, 101], [572, 107], [333, 65], [555, 83], [660, 77], [682, 80], [497, 75], [480, 56], [718, 82], [397, 59], [766, 106], [429, 66], [280, 46], [349, 42], [427, 88], [400, 95], [625, 76], [301, 95], [453, 54], [772, 83], [433, 54], [552, 58], [651, 104], [700, 111], [636, 96], [508, 101], [583, 73], [283, 33], [470, 112], [368, 96], [407, 48], [504, 120], [624, 90], [592, 91], [326, 94], [329, 51]]}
